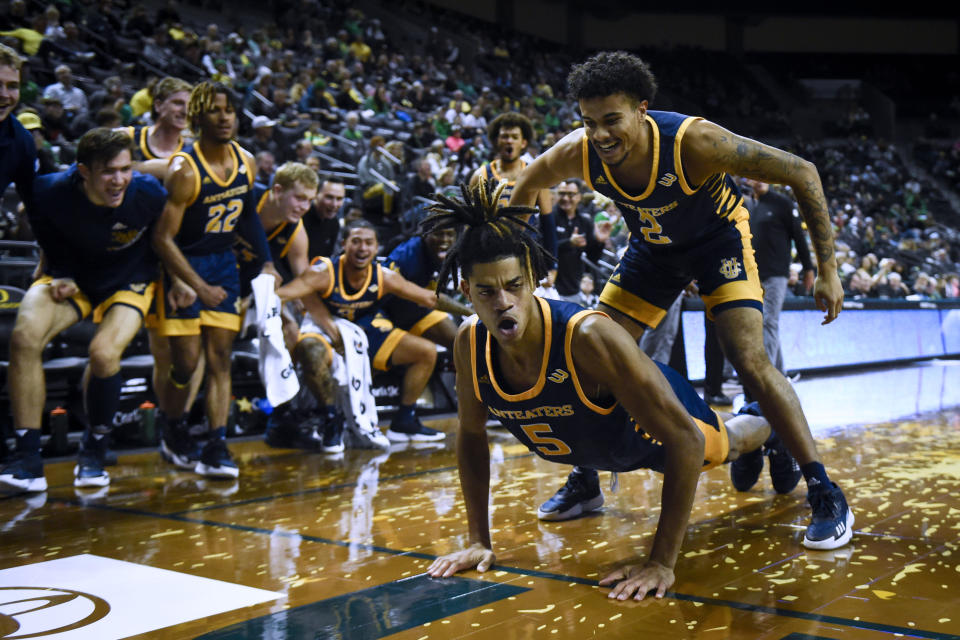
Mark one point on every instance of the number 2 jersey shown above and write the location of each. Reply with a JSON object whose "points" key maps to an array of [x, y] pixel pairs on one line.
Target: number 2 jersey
{"points": [[668, 213], [556, 420]]}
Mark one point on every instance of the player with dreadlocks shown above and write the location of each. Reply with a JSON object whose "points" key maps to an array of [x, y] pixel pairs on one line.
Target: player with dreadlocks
{"points": [[209, 202], [570, 384]]}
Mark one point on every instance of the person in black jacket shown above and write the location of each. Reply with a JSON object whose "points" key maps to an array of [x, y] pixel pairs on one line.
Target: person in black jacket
{"points": [[576, 235], [775, 223]]}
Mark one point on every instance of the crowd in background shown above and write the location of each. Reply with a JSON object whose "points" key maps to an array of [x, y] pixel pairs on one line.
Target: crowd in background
{"points": [[402, 116]]}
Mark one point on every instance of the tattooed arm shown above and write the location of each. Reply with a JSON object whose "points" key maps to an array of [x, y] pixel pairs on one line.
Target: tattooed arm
{"points": [[708, 149]]}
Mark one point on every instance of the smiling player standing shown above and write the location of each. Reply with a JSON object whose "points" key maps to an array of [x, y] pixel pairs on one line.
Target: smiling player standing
{"points": [[670, 175]]}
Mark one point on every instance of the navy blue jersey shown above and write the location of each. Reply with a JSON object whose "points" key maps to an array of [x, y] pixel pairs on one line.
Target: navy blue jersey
{"points": [[101, 248], [279, 240], [555, 419], [141, 142], [217, 207], [349, 303], [18, 157], [668, 213], [413, 261]]}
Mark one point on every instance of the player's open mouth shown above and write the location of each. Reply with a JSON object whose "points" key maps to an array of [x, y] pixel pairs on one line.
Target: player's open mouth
{"points": [[507, 326], [607, 148]]}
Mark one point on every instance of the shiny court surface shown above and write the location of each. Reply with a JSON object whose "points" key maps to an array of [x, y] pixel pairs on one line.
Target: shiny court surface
{"points": [[335, 546]]}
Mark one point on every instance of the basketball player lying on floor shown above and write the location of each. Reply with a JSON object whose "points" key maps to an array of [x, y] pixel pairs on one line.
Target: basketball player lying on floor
{"points": [[573, 386]]}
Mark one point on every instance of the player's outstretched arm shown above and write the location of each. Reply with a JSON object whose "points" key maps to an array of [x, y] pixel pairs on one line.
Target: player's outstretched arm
{"points": [[563, 160], [395, 283], [313, 279], [607, 357], [473, 461], [709, 148]]}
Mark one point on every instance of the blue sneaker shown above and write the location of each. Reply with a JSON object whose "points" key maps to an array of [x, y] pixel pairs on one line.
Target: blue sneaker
{"points": [[23, 474], [580, 494], [89, 471], [333, 433], [784, 471], [215, 459], [832, 523], [745, 470]]}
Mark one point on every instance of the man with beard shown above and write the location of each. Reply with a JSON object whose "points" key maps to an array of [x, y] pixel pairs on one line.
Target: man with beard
{"points": [[354, 287], [210, 188]]}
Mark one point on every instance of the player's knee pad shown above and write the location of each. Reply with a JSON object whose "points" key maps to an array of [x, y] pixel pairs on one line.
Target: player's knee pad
{"points": [[180, 382]]}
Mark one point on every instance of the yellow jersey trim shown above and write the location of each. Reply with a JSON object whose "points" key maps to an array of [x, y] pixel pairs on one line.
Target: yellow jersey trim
{"points": [[654, 167], [677, 164], [535, 390], [213, 174], [473, 357], [363, 288], [381, 360], [196, 174], [585, 153], [286, 248], [568, 355]]}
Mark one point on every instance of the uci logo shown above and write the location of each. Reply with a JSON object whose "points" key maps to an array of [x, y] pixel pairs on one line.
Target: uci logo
{"points": [[558, 376], [44, 611], [730, 268]]}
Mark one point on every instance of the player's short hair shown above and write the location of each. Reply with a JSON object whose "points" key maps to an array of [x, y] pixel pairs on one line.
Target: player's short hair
{"points": [[611, 72], [102, 144], [291, 173], [325, 180], [491, 233], [201, 101], [166, 88], [358, 223], [510, 119], [10, 58]]}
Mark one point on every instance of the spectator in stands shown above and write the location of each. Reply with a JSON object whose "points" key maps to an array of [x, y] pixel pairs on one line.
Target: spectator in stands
{"points": [[72, 97], [377, 178], [422, 183], [576, 236], [263, 138], [322, 220], [48, 162], [775, 223], [55, 121], [266, 165]]}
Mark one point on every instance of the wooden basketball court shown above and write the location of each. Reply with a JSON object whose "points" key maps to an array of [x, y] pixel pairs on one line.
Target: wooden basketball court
{"points": [[336, 546]]}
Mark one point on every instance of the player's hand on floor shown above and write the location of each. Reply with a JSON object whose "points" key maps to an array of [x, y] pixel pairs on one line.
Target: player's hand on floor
{"points": [[475, 555], [638, 579]]}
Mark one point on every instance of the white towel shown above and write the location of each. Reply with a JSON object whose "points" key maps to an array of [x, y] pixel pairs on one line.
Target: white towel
{"points": [[275, 366], [352, 374]]}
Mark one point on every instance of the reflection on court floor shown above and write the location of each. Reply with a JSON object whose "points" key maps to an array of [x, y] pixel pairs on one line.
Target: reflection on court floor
{"points": [[336, 546]]}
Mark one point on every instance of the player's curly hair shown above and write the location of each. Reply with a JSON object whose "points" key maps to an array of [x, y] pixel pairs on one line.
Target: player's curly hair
{"points": [[510, 119], [611, 72], [201, 101], [491, 232]]}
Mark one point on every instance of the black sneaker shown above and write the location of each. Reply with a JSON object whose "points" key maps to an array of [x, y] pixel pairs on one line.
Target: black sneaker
{"points": [[178, 446], [745, 470], [89, 471], [413, 431], [832, 523], [717, 399], [784, 471], [292, 430], [580, 494], [333, 433], [215, 459], [23, 474]]}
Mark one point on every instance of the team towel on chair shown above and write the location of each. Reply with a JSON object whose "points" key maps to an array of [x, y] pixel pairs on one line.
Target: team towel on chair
{"points": [[275, 366]]}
